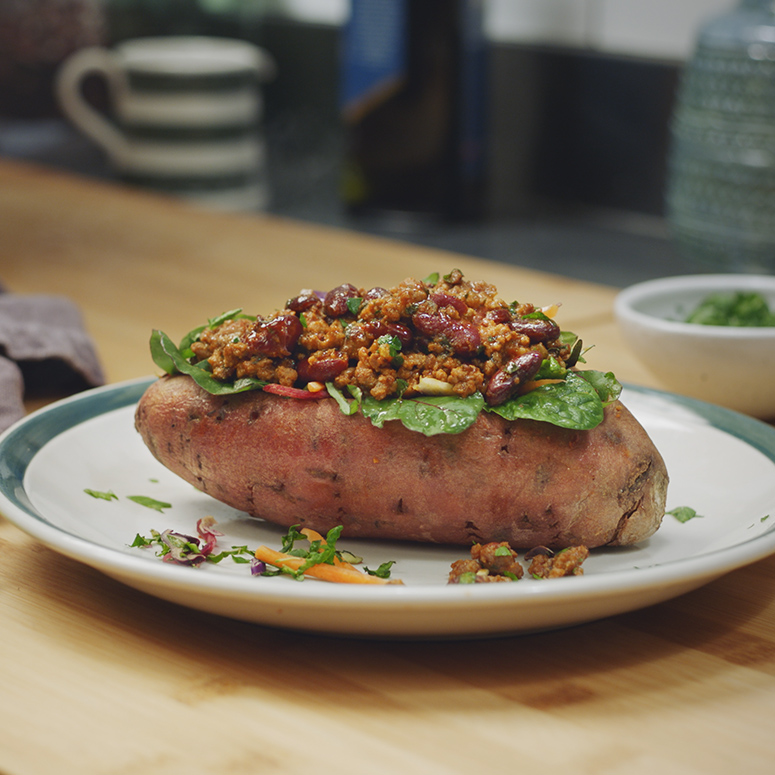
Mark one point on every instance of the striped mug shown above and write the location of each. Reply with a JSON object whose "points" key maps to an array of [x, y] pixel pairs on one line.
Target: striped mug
{"points": [[185, 115]]}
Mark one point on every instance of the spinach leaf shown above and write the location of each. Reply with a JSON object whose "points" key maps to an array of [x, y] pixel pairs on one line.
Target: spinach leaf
{"points": [[348, 408], [191, 336], [574, 403], [428, 415], [167, 356], [159, 352], [551, 368], [606, 384]]}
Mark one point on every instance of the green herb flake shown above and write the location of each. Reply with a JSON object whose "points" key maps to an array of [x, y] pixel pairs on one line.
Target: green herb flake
{"points": [[150, 503], [535, 315], [393, 343], [354, 304], [684, 513], [105, 496], [239, 554], [383, 572], [141, 541]]}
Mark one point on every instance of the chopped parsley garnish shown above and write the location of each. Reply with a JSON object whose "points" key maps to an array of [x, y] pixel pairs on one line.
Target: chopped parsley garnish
{"points": [[149, 503], [741, 308], [194, 550], [105, 496], [684, 513]]}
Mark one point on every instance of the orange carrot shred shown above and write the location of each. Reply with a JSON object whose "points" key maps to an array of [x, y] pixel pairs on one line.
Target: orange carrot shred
{"points": [[323, 571]]}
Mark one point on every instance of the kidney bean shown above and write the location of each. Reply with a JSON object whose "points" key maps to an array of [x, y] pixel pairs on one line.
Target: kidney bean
{"points": [[322, 369], [463, 337], [302, 302], [274, 338], [500, 315], [428, 323], [448, 300], [536, 329], [377, 328], [375, 293], [335, 303], [505, 381]]}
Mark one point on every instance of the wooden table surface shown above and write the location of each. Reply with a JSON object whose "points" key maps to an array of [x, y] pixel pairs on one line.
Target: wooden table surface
{"points": [[97, 678]]}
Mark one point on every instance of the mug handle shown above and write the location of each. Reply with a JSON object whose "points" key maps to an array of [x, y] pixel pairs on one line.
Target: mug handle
{"points": [[86, 61]]}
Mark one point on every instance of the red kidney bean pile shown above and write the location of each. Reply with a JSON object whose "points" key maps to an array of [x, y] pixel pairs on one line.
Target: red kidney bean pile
{"points": [[385, 341]]}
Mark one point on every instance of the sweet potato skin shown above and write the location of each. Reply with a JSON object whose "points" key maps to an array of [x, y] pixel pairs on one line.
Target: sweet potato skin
{"points": [[290, 462]]}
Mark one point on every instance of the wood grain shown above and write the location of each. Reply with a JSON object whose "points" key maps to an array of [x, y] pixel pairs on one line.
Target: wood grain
{"points": [[97, 678]]}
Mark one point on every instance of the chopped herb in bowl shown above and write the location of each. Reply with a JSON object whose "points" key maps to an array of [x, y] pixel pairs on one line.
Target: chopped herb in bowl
{"points": [[740, 308]]}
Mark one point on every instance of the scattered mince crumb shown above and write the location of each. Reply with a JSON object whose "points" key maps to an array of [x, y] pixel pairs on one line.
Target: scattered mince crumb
{"points": [[495, 562], [489, 562], [545, 564]]}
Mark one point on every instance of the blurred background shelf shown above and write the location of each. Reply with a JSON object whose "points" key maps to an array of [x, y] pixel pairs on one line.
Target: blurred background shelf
{"points": [[579, 105]]}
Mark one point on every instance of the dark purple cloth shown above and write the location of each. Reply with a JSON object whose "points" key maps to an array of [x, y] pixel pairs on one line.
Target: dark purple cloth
{"points": [[44, 350], [11, 393]]}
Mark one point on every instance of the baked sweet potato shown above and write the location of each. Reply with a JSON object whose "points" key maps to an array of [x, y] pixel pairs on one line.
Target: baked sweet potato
{"points": [[304, 462]]}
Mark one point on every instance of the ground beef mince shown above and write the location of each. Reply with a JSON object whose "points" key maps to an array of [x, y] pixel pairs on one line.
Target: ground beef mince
{"points": [[498, 562], [445, 336], [495, 561], [545, 564]]}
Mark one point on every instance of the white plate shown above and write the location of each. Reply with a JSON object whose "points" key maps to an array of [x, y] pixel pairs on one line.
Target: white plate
{"points": [[721, 463]]}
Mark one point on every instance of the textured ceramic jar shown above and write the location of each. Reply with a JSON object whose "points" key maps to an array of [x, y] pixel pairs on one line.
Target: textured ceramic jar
{"points": [[721, 187]]}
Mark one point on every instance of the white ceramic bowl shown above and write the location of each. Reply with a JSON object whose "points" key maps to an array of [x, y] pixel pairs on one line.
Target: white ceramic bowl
{"points": [[726, 365]]}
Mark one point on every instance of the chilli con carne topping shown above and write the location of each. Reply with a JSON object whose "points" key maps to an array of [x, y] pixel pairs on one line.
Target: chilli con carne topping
{"points": [[430, 353], [441, 337]]}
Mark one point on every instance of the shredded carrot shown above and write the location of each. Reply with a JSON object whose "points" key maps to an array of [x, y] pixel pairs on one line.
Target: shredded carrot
{"points": [[536, 383], [312, 535], [323, 571]]}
